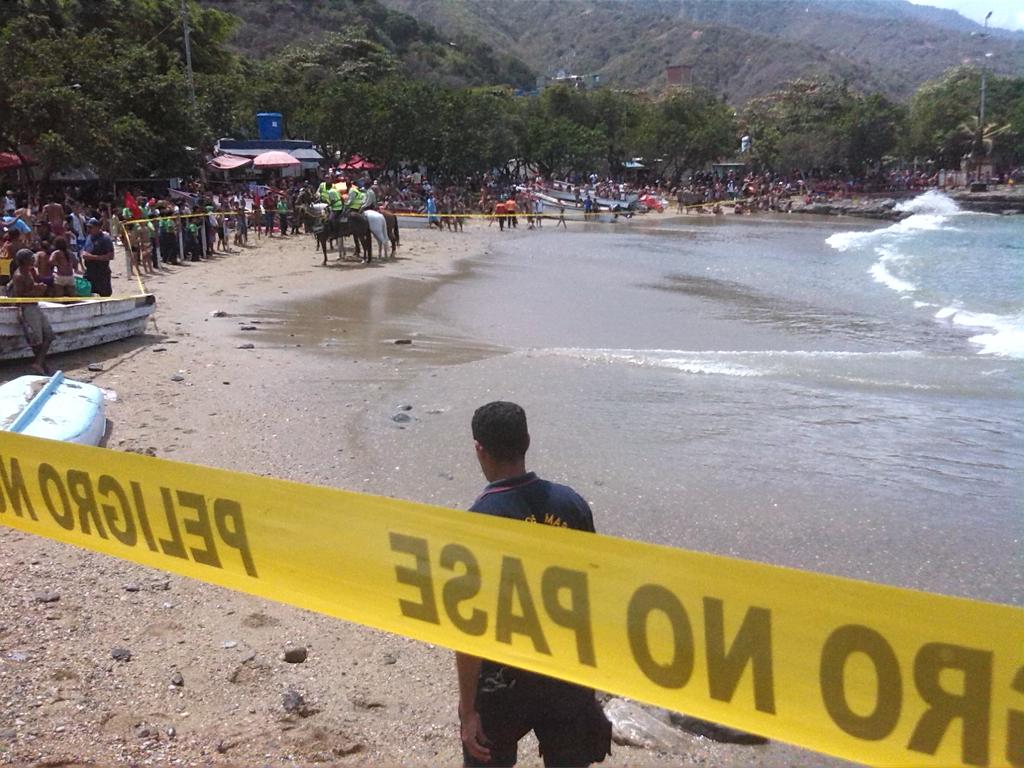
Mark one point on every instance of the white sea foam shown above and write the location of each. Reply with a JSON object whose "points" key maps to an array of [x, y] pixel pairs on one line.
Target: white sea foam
{"points": [[932, 201], [735, 363], [889, 256], [1006, 336]]}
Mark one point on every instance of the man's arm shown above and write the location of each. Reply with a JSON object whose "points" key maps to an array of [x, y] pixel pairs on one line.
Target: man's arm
{"points": [[472, 731], [108, 256]]}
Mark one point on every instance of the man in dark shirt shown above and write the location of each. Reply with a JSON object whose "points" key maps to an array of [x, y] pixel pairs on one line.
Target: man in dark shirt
{"points": [[97, 253], [498, 705]]}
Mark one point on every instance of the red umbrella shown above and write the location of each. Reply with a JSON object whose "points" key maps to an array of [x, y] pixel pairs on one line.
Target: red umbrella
{"points": [[357, 163], [275, 159], [9, 160]]}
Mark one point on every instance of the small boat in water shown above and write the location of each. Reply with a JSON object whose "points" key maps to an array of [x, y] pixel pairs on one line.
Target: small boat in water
{"points": [[77, 324], [54, 408]]}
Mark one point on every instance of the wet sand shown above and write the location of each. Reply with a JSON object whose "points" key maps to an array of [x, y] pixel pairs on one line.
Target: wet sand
{"points": [[292, 407]]}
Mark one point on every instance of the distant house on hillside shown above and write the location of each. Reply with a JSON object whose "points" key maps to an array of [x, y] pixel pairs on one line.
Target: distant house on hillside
{"points": [[679, 75], [579, 82]]}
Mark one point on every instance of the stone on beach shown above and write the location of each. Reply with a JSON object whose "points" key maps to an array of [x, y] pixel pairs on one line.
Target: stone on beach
{"points": [[634, 726]]}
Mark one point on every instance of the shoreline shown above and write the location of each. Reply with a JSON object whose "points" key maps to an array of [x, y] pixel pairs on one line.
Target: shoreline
{"points": [[278, 408]]}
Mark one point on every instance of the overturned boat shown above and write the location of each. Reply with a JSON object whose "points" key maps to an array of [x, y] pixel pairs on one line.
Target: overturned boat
{"points": [[78, 324]]}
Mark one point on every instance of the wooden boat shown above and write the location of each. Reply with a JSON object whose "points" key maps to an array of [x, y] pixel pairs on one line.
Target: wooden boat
{"points": [[54, 408], [552, 208], [562, 191], [79, 324], [409, 218]]}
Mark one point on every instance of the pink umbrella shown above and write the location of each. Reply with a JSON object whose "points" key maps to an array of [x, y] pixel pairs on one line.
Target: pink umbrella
{"points": [[275, 159]]}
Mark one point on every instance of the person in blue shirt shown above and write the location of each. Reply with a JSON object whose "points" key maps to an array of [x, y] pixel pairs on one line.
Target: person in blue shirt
{"points": [[498, 705], [97, 253], [432, 217]]}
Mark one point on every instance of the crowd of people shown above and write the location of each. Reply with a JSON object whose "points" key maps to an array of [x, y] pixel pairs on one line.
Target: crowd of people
{"points": [[201, 219]]}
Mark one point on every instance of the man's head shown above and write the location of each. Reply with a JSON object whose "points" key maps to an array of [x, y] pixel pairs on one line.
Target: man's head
{"points": [[24, 258], [501, 436], [94, 226]]}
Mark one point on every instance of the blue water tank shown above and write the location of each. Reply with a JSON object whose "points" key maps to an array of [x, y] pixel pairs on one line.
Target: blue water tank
{"points": [[270, 125]]}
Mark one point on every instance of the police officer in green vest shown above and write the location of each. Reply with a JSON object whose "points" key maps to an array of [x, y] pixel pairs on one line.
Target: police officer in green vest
{"points": [[323, 190], [356, 198], [335, 203]]}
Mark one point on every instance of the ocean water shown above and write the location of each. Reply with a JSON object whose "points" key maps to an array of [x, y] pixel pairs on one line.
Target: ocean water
{"points": [[819, 393], [966, 269]]}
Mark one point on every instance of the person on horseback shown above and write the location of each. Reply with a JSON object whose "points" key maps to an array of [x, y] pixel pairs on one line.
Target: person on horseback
{"points": [[323, 189], [336, 204], [371, 198], [356, 198]]}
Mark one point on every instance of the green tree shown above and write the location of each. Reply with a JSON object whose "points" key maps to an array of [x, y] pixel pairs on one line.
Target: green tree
{"points": [[872, 128], [687, 130]]}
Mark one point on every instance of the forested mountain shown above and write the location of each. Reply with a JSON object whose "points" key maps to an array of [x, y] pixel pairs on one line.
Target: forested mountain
{"points": [[739, 48], [265, 27]]}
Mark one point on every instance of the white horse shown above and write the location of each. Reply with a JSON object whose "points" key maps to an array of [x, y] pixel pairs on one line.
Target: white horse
{"points": [[378, 228]]}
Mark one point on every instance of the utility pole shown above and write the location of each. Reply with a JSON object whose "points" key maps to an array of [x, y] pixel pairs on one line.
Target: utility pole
{"points": [[188, 53], [979, 145]]}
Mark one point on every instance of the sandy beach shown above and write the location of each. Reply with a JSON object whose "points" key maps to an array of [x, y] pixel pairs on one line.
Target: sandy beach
{"points": [[226, 376]]}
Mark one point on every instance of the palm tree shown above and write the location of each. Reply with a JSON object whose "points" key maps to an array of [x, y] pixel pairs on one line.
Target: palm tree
{"points": [[981, 138]]}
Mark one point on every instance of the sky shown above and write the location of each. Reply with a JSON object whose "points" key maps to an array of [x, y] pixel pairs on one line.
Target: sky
{"points": [[1008, 14]]}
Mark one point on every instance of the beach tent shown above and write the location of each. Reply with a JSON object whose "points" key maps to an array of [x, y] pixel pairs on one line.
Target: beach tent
{"points": [[228, 162]]}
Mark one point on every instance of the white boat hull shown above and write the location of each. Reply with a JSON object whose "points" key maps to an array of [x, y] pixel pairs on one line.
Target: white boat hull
{"points": [[78, 325], [552, 209], [73, 413], [407, 221]]}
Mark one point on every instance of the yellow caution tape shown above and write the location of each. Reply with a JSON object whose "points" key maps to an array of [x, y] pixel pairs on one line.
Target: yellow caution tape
{"points": [[148, 220], [871, 673]]}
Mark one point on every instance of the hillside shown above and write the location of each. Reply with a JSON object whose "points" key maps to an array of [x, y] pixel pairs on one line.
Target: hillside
{"points": [[739, 48], [266, 26]]}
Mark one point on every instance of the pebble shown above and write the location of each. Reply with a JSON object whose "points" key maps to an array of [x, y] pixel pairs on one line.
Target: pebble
{"points": [[46, 597], [177, 377], [405, 407], [8, 734], [159, 349], [246, 346], [229, 644], [95, 367], [403, 341], [389, 658], [18, 656], [248, 328], [171, 732], [121, 654], [360, 702], [218, 313], [295, 654], [177, 679], [401, 418], [131, 587], [292, 701], [634, 726]]}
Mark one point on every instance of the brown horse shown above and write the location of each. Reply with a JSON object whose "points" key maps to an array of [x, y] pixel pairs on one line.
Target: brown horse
{"points": [[354, 224]]}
